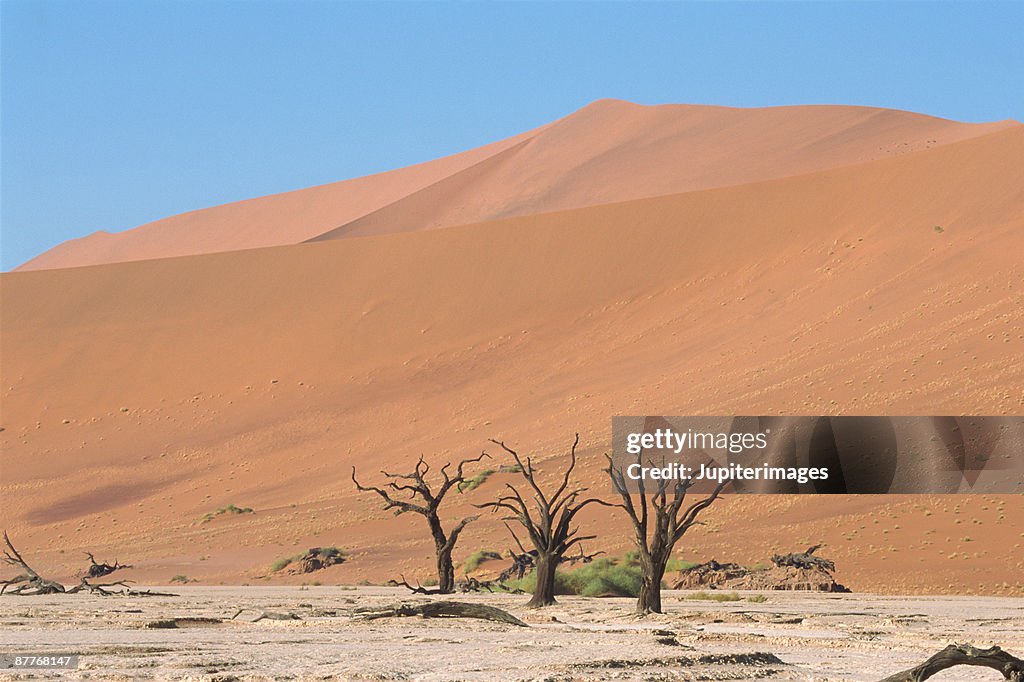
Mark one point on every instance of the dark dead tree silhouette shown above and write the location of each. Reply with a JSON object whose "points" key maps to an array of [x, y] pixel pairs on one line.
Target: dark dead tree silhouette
{"points": [[98, 570], [659, 521], [550, 524], [425, 500], [30, 583], [1011, 667], [805, 560]]}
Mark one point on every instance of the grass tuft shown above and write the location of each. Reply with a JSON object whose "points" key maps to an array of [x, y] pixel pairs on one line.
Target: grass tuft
{"points": [[600, 577], [478, 557], [322, 553], [714, 596], [476, 481], [230, 509]]}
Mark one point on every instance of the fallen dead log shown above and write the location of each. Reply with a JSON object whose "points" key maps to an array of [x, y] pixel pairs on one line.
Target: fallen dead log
{"points": [[1011, 667], [267, 615], [442, 609]]}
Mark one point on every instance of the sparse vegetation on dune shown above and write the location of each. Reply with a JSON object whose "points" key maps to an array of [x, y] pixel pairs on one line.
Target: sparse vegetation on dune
{"points": [[476, 481], [229, 509], [313, 559], [474, 560]]}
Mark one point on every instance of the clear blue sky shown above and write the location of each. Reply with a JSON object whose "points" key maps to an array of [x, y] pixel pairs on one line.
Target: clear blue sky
{"points": [[118, 113]]}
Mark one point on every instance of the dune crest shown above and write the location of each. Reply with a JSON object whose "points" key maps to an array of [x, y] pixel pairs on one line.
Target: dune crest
{"points": [[608, 151]]}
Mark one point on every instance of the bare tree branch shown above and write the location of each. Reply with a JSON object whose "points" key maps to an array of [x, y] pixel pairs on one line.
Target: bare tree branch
{"points": [[656, 542], [1011, 667], [419, 488], [549, 526]]}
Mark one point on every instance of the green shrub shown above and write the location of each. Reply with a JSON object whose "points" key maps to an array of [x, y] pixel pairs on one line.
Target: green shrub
{"points": [[757, 598], [181, 579], [330, 552], [600, 577], [714, 596], [476, 481], [478, 557], [323, 553], [605, 576], [230, 509]]}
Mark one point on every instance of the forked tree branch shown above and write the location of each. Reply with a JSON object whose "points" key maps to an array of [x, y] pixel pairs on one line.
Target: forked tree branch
{"points": [[1011, 667]]}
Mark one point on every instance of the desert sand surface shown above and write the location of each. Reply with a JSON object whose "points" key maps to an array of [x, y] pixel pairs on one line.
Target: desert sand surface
{"points": [[856, 278], [811, 638], [608, 151]]}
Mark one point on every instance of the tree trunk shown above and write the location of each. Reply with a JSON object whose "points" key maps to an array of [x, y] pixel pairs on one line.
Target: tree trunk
{"points": [[544, 592], [650, 587], [445, 571], [445, 568]]}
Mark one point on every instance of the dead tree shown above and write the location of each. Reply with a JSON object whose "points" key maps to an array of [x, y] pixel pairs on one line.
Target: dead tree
{"points": [[804, 560], [656, 537], [550, 526], [29, 582], [1011, 667], [424, 500], [97, 570], [525, 561]]}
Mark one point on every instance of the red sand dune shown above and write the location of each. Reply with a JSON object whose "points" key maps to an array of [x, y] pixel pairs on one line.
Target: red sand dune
{"points": [[140, 396], [606, 152]]}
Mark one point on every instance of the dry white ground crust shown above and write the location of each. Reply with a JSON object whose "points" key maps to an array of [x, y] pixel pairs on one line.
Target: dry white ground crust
{"points": [[788, 637]]}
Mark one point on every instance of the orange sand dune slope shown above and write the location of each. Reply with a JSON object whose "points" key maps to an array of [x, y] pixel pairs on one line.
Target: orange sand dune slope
{"points": [[608, 151], [140, 396]]}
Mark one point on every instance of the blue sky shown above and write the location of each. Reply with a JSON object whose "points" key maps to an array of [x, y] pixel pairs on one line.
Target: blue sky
{"points": [[118, 113]]}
